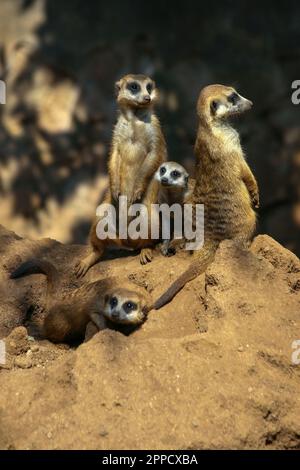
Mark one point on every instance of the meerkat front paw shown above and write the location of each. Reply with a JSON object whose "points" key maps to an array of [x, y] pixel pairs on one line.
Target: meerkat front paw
{"points": [[146, 255], [81, 268], [137, 196], [90, 331], [115, 193], [175, 245]]}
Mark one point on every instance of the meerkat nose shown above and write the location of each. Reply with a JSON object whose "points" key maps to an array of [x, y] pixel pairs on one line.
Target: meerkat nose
{"points": [[164, 180], [147, 98]]}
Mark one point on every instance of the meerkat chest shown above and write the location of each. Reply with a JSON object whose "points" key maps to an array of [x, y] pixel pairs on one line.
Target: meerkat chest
{"points": [[228, 139], [135, 137]]}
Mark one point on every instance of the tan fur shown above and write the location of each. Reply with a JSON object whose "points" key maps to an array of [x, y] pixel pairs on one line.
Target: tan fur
{"points": [[138, 148], [224, 181]]}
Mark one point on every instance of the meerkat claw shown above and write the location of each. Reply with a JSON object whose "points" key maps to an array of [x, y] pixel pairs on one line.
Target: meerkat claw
{"points": [[146, 256], [80, 269]]}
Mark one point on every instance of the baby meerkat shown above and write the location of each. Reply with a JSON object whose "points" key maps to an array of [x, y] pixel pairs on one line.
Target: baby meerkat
{"points": [[138, 149], [224, 182], [68, 316], [175, 187]]}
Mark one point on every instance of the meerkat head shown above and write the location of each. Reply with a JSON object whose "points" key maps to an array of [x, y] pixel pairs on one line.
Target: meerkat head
{"points": [[138, 91], [125, 307], [172, 175], [219, 102]]}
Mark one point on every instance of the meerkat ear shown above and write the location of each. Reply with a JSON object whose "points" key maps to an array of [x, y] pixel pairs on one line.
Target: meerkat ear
{"points": [[118, 86], [214, 106]]}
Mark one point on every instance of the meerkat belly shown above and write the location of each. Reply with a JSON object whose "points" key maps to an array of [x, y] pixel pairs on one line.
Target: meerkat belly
{"points": [[227, 210], [135, 147], [133, 156]]}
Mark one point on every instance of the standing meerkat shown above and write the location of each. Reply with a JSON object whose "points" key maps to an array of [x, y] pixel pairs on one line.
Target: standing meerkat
{"points": [[138, 148], [224, 181], [175, 187], [68, 316]]}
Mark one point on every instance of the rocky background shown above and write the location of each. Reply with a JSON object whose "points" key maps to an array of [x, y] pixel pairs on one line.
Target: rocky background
{"points": [[60, 61]]}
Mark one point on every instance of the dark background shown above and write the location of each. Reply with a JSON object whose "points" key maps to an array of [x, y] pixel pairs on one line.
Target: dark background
{"points": [[63, 58]]}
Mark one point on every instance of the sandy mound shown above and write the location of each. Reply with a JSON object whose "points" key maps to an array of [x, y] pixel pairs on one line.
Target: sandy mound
{"points": [[213, 369]]}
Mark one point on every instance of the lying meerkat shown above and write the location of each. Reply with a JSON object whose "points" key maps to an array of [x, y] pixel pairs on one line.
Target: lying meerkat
{"points": [[224, 182], [138, 148], [175, 187], [69, 315]]}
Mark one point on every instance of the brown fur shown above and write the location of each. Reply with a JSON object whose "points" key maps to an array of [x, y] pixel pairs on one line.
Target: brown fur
{"points": [[138, 148], [69, 315], [224, 182]]}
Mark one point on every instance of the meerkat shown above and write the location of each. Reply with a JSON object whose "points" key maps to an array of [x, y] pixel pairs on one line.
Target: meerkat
{"points": [[175, 187], [138, 148], [68, 316], [224, 182]]}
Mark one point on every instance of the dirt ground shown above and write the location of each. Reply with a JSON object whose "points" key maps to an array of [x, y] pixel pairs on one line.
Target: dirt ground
{"points": [[213, 369]]}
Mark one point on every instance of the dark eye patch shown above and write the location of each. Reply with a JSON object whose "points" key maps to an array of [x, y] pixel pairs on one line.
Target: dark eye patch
{"points": [[134, 87], [129, 306], [149, 87], [233, 98], [162, 170], [113, 302], [175, 174]]}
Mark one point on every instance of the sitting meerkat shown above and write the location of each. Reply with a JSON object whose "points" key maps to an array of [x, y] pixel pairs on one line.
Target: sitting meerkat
{"points": [[138, 148], [175, 187], [68, 315]]}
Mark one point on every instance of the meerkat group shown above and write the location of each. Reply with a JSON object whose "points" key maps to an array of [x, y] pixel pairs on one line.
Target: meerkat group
{"points": [[138, 169]]}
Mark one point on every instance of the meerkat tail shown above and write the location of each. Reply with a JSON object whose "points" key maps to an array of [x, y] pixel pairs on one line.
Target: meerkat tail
{"points": [[35, 266], [198, 266]]}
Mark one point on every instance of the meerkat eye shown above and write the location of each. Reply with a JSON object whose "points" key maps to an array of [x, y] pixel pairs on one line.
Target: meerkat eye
{"points": [[149, 87], [162, 170], [214, 105], [175, 174], [233, 98], [113, 302], [134, 87], [129, 306]]}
